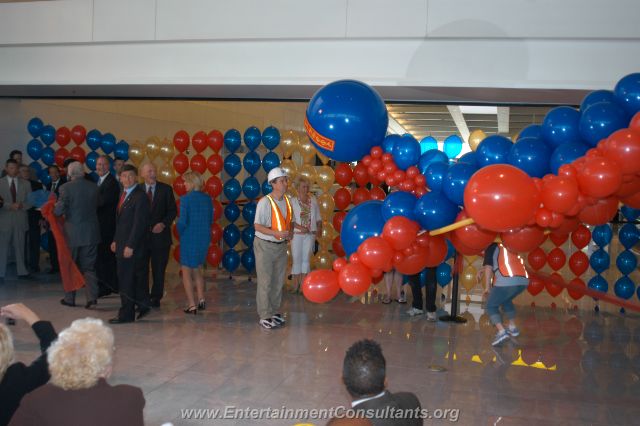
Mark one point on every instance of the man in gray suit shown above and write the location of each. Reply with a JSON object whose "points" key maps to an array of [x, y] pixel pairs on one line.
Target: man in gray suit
{"points": [[13, 218], [78, 203]]}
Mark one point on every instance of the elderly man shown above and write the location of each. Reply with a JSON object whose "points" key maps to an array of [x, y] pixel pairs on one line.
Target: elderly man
{"points": [[78, 203], [108, 192]]}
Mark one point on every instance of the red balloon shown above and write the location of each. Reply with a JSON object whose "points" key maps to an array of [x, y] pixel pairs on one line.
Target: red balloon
{"points": [[354, 279], [599, 213], [176, 253], [543, 217], [400, 232], [320, 286], [78, 134], [213, 186], [524, 239], [375, 253], [361, 174], [377, 193], [558, 238], [556, 258], [413, 263], [576, 294], [535, 286], [407, 185], [376, 152], [198, 163], [578, 263], [354, 258], [537, 258], [559, 193], [634, 124], [472, 236], [343, 174], [461, 248], [501, 188], [63, 136], [336, 245], [360, 195], [214, 164], [181, 163], [569, 225], [77, 153], [366, 160], [632, 201], [623, 147], [600, 177], [436, 251], [61, 155], [629, 187], [216, 233], [342, 198], [581, 236], [217, 210], [215, 140], [179, 186], [552, 286], [199, 141], [181, 140], [214, 255], [338, 218], [339, 263]]}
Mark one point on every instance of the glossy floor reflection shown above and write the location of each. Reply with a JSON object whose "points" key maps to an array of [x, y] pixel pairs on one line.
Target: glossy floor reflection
{"points": [[565, 368]]}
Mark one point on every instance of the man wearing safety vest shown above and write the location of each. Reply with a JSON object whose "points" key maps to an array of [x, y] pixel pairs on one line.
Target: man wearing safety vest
{"points": [[505, 269], [273, 229]]}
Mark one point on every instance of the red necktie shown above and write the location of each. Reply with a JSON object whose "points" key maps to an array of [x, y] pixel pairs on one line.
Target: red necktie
{"points": [[122, 197], [150, 195], [13, 190]]}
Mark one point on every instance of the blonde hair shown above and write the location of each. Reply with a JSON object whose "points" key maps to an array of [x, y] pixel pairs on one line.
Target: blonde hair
{"points": [[301, 179], [6, 349], [81, 355], [194, 179]]}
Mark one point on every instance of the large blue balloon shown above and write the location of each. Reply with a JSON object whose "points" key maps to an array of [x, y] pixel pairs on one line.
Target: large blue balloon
{"points": [[43, 176], [451, 250], [600, 261], [232, 212], [252, 137], [48, 156], [34, 127], [248, 260], [443, 274], [598, 283], [629, 235], [251, 187], [627, 93], [121, 150], [232, 189], [34, 149], [470, 158], [231, 235], [363, 221], [232, 164], [600, 120], [249, 211], [560, 126], [399, 203], [596, 97], [565, 154], [270, 161], [251, 162], [406, 152], [433, 210], [248, 234], [531, 131], [91, 160], [531, 155], [108, 143], [493, 149], [428, 143], [230, 260], [624, 287], [626, 262], [232, 140], [630, 213], [271, 137], [435, 174], [452, 146], [345, 119], [455, 181], [266, 188], [48, 134], [94, 177], [36, 166], [94, 137], [389, 141], [602, 235], [429, 157]]}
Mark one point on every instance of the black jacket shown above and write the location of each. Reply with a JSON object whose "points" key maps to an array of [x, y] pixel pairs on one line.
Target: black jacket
{"points": [[163, 209], [108, 194], [132, 223]]}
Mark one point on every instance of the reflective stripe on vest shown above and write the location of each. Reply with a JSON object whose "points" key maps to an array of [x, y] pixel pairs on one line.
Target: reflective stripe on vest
{"points": [[510, 264], [279, 223]]}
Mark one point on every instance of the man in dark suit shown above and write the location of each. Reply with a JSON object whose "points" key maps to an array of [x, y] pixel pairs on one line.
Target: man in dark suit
{"points": [[108, 193], [163, 212], [32, 245], [78, 204], [54, 185], [129, 243], [364, 376]]}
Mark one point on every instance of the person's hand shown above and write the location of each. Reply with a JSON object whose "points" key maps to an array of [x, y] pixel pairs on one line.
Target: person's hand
{"points": [[485, 294], [281, 235], [15, 206], [289, 236], [158, 228], [128, 252], [18, 311], [113, 247]]}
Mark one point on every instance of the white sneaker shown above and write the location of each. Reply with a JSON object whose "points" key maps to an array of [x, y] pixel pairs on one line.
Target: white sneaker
{"points": [[415, 312], [513, 331], [267, 323], [278, 319], [501, 336], [431, 316]]}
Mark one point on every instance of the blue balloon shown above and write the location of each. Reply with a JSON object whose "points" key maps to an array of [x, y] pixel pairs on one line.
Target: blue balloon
{"points": [[531, 131], [626, 262], [249, 211], [598, 283], [429, 157], [94, 138], [44, 241], [91, 159], [600, 261], [34, 127], [443, 274], [406, 152], [231, 235], [530, 155], [251, 187], [36, 166], [121, 150], [94, 177], [232, 164], [251, 162], [470, 158], [48, 156], [602, 235], [48, 134], [271, 137], [600, 120], [455, 181], [230, 260], [270, 161], [231, 189], [452, 146], [630, 213], [345, 119], [43, 176], [428, 143], [363, 221], [248, 260], [493, 149], [252, 137], [108, 143], [596, 97], [232, 212], [389, 141], [433, 210], [451, 250], [560, 126], [34, 149], [232, 140], [565, 154], [248, 235], [399, 203], [624, 287], [435, 174], [629, 235], [266, 188], [627, 93]]}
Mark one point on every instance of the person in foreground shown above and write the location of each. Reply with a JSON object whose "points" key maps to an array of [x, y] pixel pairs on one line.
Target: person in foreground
{"points": [[17, 379], [505, 270], [364, 376], [80, 362]]}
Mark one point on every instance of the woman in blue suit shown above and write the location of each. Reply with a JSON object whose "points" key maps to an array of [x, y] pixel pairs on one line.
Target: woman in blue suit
{"points": [[194, 227]]}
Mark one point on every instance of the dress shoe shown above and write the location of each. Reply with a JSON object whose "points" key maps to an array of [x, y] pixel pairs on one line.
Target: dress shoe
{"points": [[143, 313], [155, 303], [90, 303], [117, 320], [65, 303]]}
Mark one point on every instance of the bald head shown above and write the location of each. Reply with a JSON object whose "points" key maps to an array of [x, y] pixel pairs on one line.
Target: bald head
{"points": [[148, 172]]}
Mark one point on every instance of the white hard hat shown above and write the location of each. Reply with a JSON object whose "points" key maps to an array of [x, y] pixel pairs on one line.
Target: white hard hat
{"points": [[275, 173]]}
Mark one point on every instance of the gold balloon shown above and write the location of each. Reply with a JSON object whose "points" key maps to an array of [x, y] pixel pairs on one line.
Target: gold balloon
{"points": [[166, 150], [468, 278], [296, 157], [328, 233], [323, 260], [290, 169], [326, 205], [514, 137], [152, 147], [288, 142], [326, 177], [309, 172], [308, 151], [475, 138], [166, 173], [136, 152]]}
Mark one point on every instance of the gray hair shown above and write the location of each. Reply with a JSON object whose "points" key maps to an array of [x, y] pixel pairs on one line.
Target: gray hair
{"points": [[75, 170]]}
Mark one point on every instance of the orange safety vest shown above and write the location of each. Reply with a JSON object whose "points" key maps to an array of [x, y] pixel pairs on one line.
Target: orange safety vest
{"points": [[279, 223], [510, 264]]}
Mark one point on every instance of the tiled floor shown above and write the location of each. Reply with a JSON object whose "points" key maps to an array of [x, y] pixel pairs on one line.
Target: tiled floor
{"points": [[566, 368]]}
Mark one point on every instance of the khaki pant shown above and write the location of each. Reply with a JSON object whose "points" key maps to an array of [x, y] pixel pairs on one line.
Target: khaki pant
{"points": [[271, 265]]}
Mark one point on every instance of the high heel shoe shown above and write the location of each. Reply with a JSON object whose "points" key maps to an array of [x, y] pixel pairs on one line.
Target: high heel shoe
{"points": [[202, 305], [191, 310]]}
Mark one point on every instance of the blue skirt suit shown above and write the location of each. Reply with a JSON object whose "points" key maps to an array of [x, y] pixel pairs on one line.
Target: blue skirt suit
{"points": [[194, 228]]}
